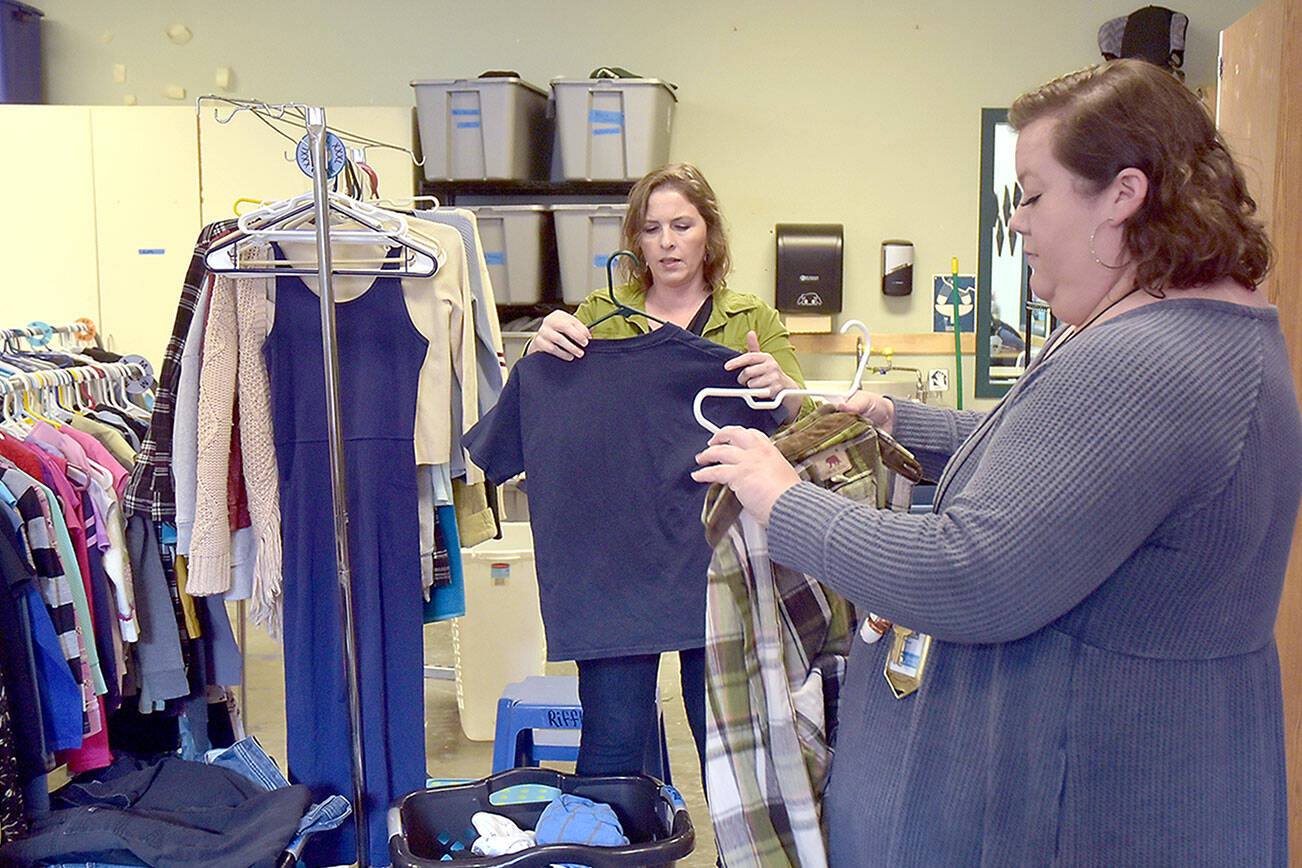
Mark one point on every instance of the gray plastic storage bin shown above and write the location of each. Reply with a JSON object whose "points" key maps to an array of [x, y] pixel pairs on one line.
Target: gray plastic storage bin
{"points": [[512, 237], [586, 236], [482, 128], [612, 128]]}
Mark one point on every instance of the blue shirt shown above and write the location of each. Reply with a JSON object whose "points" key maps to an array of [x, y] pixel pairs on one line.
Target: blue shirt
{"points": [[608, 443]]}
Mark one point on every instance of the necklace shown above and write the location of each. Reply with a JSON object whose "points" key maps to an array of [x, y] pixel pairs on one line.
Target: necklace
{"points": [[1072, 331]]}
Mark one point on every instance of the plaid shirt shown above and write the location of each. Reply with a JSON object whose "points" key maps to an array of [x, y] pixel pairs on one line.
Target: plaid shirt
{"points": [[776, 646], [150, 490]]}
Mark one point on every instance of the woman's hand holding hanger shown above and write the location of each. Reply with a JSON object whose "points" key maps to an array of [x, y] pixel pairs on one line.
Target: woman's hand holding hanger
{"points": [[759, 370], [746, 461], [561, 335], [873, 408]]}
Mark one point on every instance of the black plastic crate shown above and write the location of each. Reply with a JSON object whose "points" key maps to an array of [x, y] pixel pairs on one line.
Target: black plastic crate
{"points": [[427, 826]]}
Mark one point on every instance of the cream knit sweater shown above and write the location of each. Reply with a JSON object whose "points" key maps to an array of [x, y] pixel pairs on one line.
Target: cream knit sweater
{"points": [[232, 360]]}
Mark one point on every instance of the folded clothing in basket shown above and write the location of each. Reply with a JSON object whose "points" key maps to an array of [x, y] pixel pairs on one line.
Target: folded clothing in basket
{"points": [[498, 836], [567, 819], [571, 819]]}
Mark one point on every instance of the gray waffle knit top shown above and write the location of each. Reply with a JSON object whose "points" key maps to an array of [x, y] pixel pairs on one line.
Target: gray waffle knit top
{"points": [[1101, 575]]}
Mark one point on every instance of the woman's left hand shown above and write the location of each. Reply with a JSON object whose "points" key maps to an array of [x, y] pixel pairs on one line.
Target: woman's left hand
{"points": [[759, 370], [744, 460]]}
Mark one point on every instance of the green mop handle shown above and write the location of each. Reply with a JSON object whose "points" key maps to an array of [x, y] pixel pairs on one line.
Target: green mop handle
{"points": [[958, 336]]}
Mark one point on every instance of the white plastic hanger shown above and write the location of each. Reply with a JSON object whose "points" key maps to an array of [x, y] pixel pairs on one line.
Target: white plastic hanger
{"points": [[280, 221], [755, 402], [408, 202]]}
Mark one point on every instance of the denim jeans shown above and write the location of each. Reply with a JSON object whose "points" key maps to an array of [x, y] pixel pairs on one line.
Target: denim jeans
{"points": [[248, 758], [618, 699]]}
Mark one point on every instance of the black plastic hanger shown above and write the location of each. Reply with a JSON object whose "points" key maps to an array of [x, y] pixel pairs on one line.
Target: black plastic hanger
{"points": [[621, 309]]}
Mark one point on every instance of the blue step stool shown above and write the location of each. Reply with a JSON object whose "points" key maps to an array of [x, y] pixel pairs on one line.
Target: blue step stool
{"points": [[539, 719]]}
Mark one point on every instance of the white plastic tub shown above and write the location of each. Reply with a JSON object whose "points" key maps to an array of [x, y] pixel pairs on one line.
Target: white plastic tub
{"points": [[482, 128], [612, 128], [512, 237], [586, 236], [500, 638]]}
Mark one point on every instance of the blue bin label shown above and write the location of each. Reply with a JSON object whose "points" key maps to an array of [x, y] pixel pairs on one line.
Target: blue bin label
{"points": [[600, 116], [474, 112], [467, 125], [499, 573], [151, 251], [494, 258], [607, 131]]}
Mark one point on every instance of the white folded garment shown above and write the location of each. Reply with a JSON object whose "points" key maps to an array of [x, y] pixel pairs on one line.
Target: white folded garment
{"points": [[498, 836]]}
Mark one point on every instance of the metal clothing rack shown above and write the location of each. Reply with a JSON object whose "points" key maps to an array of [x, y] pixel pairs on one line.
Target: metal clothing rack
{"points": [[30, 381], [38, 334], [314, 122]]}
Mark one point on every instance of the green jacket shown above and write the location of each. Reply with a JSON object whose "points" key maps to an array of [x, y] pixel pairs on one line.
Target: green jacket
{"points": [[734, 314]]}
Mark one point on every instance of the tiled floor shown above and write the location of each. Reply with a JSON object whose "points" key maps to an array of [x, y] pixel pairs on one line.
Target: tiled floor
{"points": [[449, 753]]}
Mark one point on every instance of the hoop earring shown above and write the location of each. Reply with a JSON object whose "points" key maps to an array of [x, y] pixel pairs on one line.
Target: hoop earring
{"points": [[1096, 256]]}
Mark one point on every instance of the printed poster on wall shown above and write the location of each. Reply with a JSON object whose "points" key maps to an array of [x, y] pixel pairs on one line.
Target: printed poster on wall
{"points": [[942, 307]]}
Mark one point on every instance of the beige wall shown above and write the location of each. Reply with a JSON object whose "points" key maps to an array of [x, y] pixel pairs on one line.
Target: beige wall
{"points": [[863, 113]]}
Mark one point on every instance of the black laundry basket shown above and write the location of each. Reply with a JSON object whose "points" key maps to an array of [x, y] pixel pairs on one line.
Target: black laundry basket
{"points": [[431, 828]]}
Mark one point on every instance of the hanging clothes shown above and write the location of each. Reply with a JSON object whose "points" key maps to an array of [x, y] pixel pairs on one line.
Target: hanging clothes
{"points": [[150, 490], [776, 648], [234, 372], [613, 508], [78, 578], [380, 353], [481, 340], [260, 381], [13, 808]]}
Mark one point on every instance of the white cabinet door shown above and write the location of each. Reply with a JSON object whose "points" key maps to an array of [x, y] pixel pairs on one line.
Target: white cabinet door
{"points": [[47, 225], [147, 202]]}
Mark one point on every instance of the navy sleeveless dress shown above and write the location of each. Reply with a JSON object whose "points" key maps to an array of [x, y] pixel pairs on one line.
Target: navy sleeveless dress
{"points": [[380, 354]]}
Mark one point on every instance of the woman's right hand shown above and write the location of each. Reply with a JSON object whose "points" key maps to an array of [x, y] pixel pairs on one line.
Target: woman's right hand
{"points": [[562, 335], [873, 407]]}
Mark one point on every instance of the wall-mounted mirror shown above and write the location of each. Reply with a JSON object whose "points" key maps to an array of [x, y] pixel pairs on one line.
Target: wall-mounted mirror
{"points": [[1008, 317]]}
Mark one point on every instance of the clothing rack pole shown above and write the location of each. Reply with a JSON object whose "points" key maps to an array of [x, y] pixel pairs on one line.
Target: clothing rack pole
{"points": [[316, 130], [22, 381]]}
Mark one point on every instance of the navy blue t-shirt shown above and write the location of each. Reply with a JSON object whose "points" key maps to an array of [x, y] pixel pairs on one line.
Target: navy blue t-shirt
{"points": [[609, 442]]}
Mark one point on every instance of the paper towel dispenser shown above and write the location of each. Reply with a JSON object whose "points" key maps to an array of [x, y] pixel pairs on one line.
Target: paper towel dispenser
{"points": [[809, 267]]}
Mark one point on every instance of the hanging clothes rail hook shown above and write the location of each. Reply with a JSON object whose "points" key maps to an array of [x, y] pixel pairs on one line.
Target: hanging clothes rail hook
{"points": [[234, 111], [274, 112]]}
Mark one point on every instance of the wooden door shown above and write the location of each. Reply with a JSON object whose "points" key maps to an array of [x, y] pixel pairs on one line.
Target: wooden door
{"points": [[1260, 114], [1287, 235]]}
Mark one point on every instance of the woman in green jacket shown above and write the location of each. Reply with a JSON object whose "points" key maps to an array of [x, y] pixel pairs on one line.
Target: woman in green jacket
{"points": [[673, 222]]}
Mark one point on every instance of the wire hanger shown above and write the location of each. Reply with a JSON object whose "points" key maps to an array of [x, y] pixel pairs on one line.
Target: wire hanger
{"points": [[291, 117], [621, 309], [277, 222], [754, 399]]}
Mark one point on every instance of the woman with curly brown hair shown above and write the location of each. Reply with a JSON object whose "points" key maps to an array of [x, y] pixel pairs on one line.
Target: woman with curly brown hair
{"points": [[1093, 596]]}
